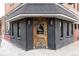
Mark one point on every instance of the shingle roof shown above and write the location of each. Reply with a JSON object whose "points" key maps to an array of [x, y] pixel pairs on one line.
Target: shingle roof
{"points": [[41, 8]]}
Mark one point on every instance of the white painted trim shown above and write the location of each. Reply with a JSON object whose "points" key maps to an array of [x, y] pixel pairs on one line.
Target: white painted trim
{"points": [[20, 16], [66, 9]]}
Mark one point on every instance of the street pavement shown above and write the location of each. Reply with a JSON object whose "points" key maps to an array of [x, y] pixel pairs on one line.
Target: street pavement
{"points": [[8, 49]]}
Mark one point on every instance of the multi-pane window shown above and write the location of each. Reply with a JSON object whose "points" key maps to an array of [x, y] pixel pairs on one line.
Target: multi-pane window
{"points": [[18, 29], [75, 26], [72, 4], [67, 28], [78, 26], [77, 7], [72, 29], [61, 28], [12, 30]]}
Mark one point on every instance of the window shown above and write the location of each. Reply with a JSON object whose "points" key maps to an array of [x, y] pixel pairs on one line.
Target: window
{"points": [[18, 29], [72, 29], [78, 26], [75, 26], [7, 27], [74, 5], [77, 6], [61, 28], [11, 4], [12, 30], [67, 28], [40, 29], [70, 3]]}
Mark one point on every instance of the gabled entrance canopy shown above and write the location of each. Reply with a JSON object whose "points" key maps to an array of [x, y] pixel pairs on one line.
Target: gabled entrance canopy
{"points": [[41, 9]]}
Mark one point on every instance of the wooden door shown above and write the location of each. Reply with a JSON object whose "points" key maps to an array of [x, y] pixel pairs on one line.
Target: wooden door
{"points": [[40, 33]]}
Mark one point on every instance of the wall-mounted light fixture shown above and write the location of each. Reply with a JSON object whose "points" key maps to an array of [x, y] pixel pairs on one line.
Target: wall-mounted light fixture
{"points": [[29, 22], [51, 22]]}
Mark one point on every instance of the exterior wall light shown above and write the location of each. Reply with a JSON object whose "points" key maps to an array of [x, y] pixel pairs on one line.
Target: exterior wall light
{"points": [[29, 22], [51, 22]]}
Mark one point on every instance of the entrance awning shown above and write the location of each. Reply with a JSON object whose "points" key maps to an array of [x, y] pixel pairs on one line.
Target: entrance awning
{"points": [[41, 9]]}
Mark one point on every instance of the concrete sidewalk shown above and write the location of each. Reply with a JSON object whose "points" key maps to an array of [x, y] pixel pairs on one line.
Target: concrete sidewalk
{"points": [[8, 49]]}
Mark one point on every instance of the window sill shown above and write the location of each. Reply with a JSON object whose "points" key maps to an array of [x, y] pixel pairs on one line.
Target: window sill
{"points": [[18, 38], [61, 38], [68, 36]]}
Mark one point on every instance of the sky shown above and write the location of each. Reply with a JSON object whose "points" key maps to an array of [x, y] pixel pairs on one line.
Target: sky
{"points": [[2, 9]]}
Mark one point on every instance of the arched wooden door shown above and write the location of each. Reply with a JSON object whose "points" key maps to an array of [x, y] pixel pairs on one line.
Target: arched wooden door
{"points": [[40, 33]]}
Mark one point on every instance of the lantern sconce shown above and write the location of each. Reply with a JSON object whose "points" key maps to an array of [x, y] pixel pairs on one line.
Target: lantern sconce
{"points": [[51, 22], [29, 22]]}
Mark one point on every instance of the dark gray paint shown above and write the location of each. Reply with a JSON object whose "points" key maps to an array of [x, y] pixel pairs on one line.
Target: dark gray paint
{"points": [[42, 8], [65, 40], [21, 43], [54, 41], [25, 41], [14, 38], [51, 34], [29, 38]]}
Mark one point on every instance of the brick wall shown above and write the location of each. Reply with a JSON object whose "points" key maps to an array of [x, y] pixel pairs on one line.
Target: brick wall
{"points": [[10, 6], [73, 7]]}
